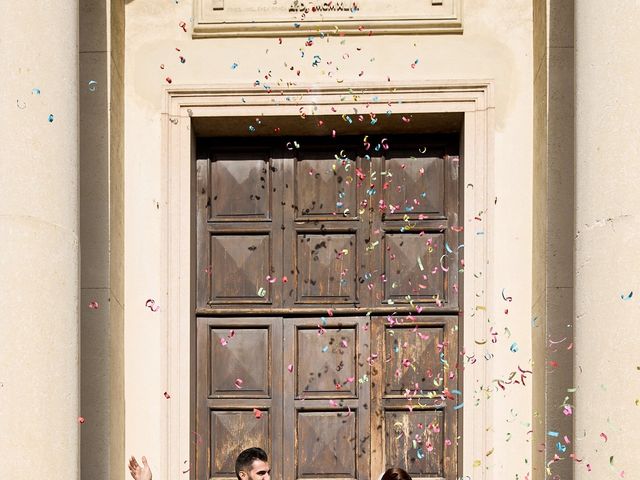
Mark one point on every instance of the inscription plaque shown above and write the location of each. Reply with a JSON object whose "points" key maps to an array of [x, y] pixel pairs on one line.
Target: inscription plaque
{"points": [[230, 18]]}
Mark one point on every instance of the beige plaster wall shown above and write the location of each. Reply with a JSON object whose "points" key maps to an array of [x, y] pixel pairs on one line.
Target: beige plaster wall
{"points": [[607, 234], [496, 45]]}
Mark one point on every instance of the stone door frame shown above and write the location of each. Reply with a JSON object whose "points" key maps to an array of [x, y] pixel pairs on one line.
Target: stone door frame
{"points": [[474, 99]]}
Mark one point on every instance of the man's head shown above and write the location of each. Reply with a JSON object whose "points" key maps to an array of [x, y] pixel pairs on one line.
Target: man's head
{"points": [[252, 464]]}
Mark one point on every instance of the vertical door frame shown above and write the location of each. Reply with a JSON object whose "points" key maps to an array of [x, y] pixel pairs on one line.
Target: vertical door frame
{"points": [[183, 103]]}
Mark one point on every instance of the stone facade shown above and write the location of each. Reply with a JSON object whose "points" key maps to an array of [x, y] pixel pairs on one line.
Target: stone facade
{"points": [[99, 223]]}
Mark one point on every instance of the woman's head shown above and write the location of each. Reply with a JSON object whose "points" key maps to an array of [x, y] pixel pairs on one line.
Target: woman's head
{"points": [[395, 474]]}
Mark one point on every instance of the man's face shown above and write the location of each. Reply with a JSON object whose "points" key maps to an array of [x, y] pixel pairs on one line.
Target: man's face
{"points": [[259, 471]]}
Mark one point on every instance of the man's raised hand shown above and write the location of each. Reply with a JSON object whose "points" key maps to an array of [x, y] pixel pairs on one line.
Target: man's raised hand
{"points": [[138, 472]]}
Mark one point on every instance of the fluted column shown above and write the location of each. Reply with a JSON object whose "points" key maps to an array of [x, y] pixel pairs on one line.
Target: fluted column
{"points": [[607, 262], [39, 363]]}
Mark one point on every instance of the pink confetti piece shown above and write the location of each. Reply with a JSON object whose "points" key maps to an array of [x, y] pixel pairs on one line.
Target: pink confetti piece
{"points": [[333, 403], [166, 395], [257, 413], [93, 305], [81, 420], [290, 368], [604, 437], [238, 383], [151, 305]]}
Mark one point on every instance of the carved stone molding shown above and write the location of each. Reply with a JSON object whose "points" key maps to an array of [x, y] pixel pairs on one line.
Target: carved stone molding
{"points": [[277, 18], [187, 105]]}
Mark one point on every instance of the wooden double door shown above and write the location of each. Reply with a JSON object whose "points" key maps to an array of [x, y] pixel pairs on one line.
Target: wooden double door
{"points": [[327, 308]]}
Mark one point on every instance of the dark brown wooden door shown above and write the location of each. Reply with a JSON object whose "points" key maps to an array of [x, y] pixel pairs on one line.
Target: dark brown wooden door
{"points": [[327, 308]]}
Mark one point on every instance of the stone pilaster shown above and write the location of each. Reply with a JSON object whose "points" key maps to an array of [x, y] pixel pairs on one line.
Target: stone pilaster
{"points": [[607, 263], [39, 263]]}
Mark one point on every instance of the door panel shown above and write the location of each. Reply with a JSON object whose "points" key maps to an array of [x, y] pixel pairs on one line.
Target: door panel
{"points": [[412, 360], [413, 186], [242, 188], [418, 227], [414, 396], [324, 188], [326, 398], [242, 265], [246, 355], [424, 458], [412, 266], [239, 234], [326, 266], [239, 392], [325, 444], [231, 431], [326, 229]]}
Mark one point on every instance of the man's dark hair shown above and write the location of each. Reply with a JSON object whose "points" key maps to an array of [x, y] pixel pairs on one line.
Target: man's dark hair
{"points": [[247, 457]]}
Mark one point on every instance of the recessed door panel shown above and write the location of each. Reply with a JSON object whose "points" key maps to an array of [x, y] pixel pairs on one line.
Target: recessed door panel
{"points": [[231, 431], [326, 268], [241, 188]]}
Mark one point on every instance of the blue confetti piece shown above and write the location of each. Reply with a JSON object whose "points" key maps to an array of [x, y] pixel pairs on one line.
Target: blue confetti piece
{"points": [[51, 118], [627, 296], [234, 66], [325, 349], [553, 434], [514, 347], [458, 407]]}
